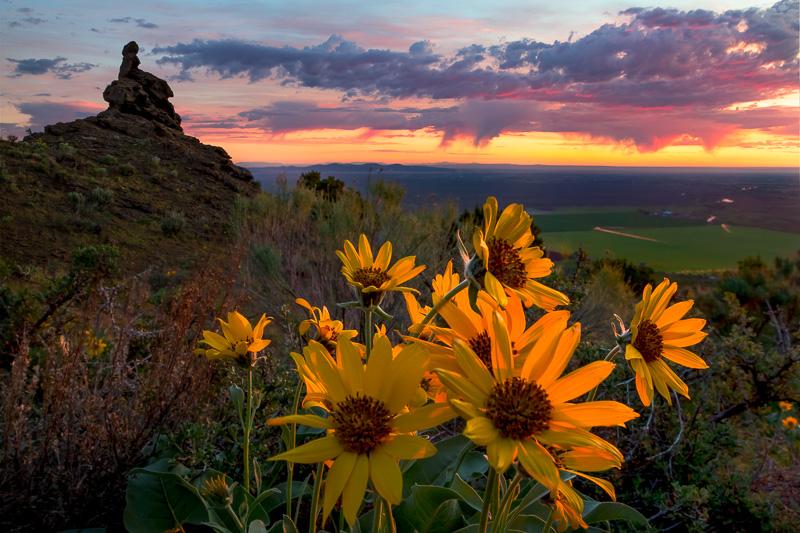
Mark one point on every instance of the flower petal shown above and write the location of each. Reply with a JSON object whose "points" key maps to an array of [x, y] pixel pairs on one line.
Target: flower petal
{"points": [[353, 493], [539, 464], [684, 357], [409, 447], [481, 431], [428, 416], [579, 381], [316, 451], [385, 475], [336, 480]]}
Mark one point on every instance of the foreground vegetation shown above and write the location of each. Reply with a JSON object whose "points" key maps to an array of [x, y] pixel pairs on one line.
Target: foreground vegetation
{"points": [[100, 377]]}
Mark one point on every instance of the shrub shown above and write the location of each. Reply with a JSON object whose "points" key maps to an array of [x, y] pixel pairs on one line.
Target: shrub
{"points": [[172, 223], [99, 198]]}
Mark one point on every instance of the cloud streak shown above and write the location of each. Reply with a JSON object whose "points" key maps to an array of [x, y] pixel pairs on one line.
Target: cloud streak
{"points": [[57, 66]]}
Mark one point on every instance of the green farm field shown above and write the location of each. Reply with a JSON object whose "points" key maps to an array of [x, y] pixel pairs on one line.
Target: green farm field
{"points": [[669, 244]]}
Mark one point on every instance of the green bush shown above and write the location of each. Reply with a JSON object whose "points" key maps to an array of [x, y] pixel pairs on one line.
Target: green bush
{"points": [[172, 223]]}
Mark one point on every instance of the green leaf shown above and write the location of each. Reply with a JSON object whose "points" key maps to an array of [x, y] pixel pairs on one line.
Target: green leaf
{"points": [[439, 469], [237, 397], [594, 512], [156, 500], [283, 526], [431, 509], [257, 526], [256, 507], [467, 493]]}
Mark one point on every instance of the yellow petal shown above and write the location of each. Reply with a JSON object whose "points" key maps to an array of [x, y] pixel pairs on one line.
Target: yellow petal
{"points": [[385, 475], [684, 357], [604, 484], [589, 414], [539, 464], [589, 459], [336, 480], [474, 369], [481, 431], [495, 289], [377, 371], [671, 378], [579, 381], [465, 409], [406, 373], [353, 493], [682, 340], [313, 421], [215, 340], [321, 362], [540, 355], [674, 313], [562, 354], [459, 387], [409, 447], [644, 381], [428, 416], [384, 256], [364, 251], [502, 357], [316, 451], [352, 372], [501, 453]]}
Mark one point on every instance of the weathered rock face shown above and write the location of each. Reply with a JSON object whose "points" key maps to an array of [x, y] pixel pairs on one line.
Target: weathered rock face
{"points": [[140, 93]]}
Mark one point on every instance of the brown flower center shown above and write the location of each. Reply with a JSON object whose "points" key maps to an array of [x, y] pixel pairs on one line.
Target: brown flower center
{"points": [[481, 344], [649, 341], [370, 277], [519, 408], [361, 423], [505, 264]]}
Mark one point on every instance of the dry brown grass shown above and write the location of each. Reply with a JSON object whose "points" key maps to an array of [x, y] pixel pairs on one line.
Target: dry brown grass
{"points": [[73, 425]]}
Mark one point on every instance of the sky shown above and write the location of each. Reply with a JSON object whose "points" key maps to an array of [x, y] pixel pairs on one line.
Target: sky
{"points": [[673, 83]]}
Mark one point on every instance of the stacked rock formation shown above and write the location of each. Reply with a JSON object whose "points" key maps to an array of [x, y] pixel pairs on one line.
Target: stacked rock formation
{"points": [[140, 93]]}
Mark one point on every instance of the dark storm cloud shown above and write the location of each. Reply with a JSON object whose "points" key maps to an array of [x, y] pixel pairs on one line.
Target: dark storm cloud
{"points": [[57, 66]]}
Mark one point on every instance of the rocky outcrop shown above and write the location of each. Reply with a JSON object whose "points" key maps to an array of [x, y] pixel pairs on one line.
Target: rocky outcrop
{"points": [[141, 124], [137, 92]]}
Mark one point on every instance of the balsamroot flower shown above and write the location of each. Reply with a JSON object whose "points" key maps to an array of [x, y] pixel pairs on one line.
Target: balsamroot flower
{"points": [[371, 276], [327, 330], [240, 341], [506, 263], [370, 426], [658, 332], [525, 412]]}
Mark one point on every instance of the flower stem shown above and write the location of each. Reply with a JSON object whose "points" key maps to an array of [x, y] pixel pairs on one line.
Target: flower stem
{"points": [[368, 330], [377, 518], [293, 442], [505, 504], [312, 527], [248, 425], [549, 523], [609, 356], [438, 306], [488, 496], [234, 517]]}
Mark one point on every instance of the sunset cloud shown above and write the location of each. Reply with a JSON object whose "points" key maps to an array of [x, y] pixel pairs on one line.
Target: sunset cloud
{"points": [[682, 67]]}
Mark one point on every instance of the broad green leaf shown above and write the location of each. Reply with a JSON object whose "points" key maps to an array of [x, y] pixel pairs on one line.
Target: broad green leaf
{"points": [[257, 526], [473, 465], [467, 493], [427, 509], [156, 501], [594, 512], [439, 469]]}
